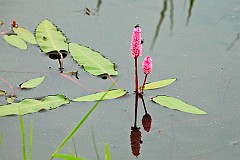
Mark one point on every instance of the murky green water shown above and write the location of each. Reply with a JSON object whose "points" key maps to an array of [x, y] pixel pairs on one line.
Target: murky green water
{"points": [[194, 41]]}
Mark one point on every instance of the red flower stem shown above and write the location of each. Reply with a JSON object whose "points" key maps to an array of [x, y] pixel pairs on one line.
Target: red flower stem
{"points": [[9, 85], [136, 74], [144, 82]]}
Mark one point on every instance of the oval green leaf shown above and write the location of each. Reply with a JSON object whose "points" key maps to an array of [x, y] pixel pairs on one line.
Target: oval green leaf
{"points": [[15, 41], [177, 104], [32, 105], [1, 22], [32, 83], [112, 94], [49, 38], [159, 84], [25, 34], [92, 61]]}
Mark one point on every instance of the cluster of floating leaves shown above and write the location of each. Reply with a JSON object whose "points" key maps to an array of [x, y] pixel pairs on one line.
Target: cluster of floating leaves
{"points": [[52, 42]]}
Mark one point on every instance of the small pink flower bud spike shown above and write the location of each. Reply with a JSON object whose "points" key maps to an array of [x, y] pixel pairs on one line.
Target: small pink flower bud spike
{"points": [[136, 45], [136, 48], [147, 69]]}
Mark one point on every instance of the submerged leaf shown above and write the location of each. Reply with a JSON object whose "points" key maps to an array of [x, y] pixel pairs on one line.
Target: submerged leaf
{"points": [[112, 94], [15, 41], [159, 84], [11, 99], [177, 104], [32, 83], [49, 38], [2, 92], [32, 105], [92, 61], [25, 34]]}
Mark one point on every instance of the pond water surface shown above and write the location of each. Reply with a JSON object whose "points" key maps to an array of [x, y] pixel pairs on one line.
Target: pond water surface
{"points": [[192, 40]]}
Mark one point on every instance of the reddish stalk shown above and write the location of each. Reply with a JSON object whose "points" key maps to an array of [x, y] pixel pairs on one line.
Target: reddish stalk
{"points": [[144, 82], [136, 74]]}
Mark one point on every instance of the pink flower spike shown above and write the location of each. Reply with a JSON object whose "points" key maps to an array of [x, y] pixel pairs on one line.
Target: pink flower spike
{"points": [[136, 45], [147, 65]]}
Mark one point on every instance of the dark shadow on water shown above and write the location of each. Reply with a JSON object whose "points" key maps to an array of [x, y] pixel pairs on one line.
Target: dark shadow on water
{"points": [[233, 42], [157, 31], [191, 3], [171, 17], [136, 135]]}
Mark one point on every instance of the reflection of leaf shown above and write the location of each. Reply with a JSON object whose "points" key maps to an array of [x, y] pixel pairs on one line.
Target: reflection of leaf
{"points": [[112, 94], [16, 41], [31, 105], [2, 92], [92, 61], [32, 83], [159, 84], [67, 157], [177, 104], [49, 38], [25, 34]]}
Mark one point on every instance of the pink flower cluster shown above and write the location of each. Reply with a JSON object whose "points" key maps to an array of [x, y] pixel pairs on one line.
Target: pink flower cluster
{"points": [[136, 45], [147, 65]]}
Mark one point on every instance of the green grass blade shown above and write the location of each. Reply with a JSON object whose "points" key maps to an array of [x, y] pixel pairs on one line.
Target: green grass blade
{"points": [[95, 145], [23, 138], [30, 143], [79, 124], [107, 153], [67, 157]]}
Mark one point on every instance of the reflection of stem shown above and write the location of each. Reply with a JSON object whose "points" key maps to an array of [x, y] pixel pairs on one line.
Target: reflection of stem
{"points": [[191, 2], [171, 16], [145, 109], [162, 15], [233, 42], [136, 108], [144, 82], [60, 62], [74, 147], [98, 5]]}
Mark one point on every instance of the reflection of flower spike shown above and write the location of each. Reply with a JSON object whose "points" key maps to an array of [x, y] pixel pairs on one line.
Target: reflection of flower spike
{"points": [[146, 122], [147, 65], [135, 138], [136, 45]]}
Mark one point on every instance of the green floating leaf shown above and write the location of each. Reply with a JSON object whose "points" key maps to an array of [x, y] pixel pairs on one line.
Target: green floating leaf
{"points": [[32, 105], [112, 94], [25, 34], [177, 104], [15, 41], [49, 38], [2, 92], [92, 61], [32, 83], [67, 157], [1, 22], [159, 84]]}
